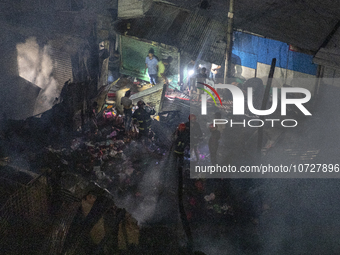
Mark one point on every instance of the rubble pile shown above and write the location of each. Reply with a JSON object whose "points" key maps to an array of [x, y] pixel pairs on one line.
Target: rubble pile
{"points": [[101, 152], [106, 155]]}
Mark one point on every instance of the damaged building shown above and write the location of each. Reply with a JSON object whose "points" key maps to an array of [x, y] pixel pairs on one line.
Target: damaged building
{"points": [[233, 150]]}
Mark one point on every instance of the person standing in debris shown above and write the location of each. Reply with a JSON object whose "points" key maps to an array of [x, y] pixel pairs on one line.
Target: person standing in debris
{"points": [[167, 71], [195, 134], [142, 116], [213, 143], [127, 104], [161, 71], [214, 71], [203, 73], [181, 141], [64, 94], [151, 64], [201, 78], [92, 115], [189, 72]]}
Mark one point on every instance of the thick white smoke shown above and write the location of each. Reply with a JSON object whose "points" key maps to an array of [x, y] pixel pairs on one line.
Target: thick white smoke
{"points": [[36, 66]]}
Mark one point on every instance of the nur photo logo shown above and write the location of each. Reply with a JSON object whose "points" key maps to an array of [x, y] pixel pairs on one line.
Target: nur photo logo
{"points": [[238, 105]]}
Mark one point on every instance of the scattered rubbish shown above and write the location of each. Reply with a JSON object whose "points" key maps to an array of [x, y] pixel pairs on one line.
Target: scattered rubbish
{"points": [[217, 208], [75, 144], [110, 113], [96, 168], [113, 134], [199, 185], [225, 207], [64, 162], [209, 197], [100, 175], [113, 153], [89, 144], [129, 171], [192, 201], [4, 161]]}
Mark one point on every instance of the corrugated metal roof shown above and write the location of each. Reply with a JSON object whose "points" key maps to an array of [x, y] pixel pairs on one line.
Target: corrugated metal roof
{"points": [[197, 35], [203, 38], [304, 24], [62, 66], [329, 55]]}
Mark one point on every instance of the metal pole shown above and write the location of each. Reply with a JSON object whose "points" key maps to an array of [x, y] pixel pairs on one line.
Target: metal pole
{"points": [[319, 74], [227, 68], [179, 68], [264, 104], [182, 213]]}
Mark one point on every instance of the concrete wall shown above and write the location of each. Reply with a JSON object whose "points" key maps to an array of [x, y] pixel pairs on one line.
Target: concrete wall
{"points": [[284, 76], [331, 76], [252, 57], [249, 50]]}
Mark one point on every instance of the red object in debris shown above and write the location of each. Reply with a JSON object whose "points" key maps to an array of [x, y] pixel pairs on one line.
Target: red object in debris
{"points": [[173, 97], [199, 185], [99, 154], [211, 127], [181, 127], [111, 96], [192, 117], [192, 201], [109, 115], [189, 215], [293, 48]]}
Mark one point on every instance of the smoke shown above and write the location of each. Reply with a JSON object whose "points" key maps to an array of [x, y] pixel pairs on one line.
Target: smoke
{"points": [[157, 202], [144, 210], [36, 66]]}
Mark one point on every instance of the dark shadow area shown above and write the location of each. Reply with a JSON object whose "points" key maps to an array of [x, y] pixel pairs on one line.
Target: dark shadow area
{"points": [[18, 98]]}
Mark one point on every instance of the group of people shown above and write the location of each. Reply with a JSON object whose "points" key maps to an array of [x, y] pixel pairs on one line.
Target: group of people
{"points": [[189, 134], [194, 71], [140, 115], [158, 71]]}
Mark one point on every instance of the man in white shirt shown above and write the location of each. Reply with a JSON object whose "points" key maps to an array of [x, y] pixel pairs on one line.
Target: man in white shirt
{"points": [[213, 71], [151, 63], [127, 105]]}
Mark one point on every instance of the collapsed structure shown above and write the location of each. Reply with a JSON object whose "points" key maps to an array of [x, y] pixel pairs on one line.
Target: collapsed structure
{"points": [[61, 118]]}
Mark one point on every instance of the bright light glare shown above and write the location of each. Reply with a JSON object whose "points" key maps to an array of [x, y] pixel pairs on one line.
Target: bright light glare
{"points": [[191, 72], [36, 66]]}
